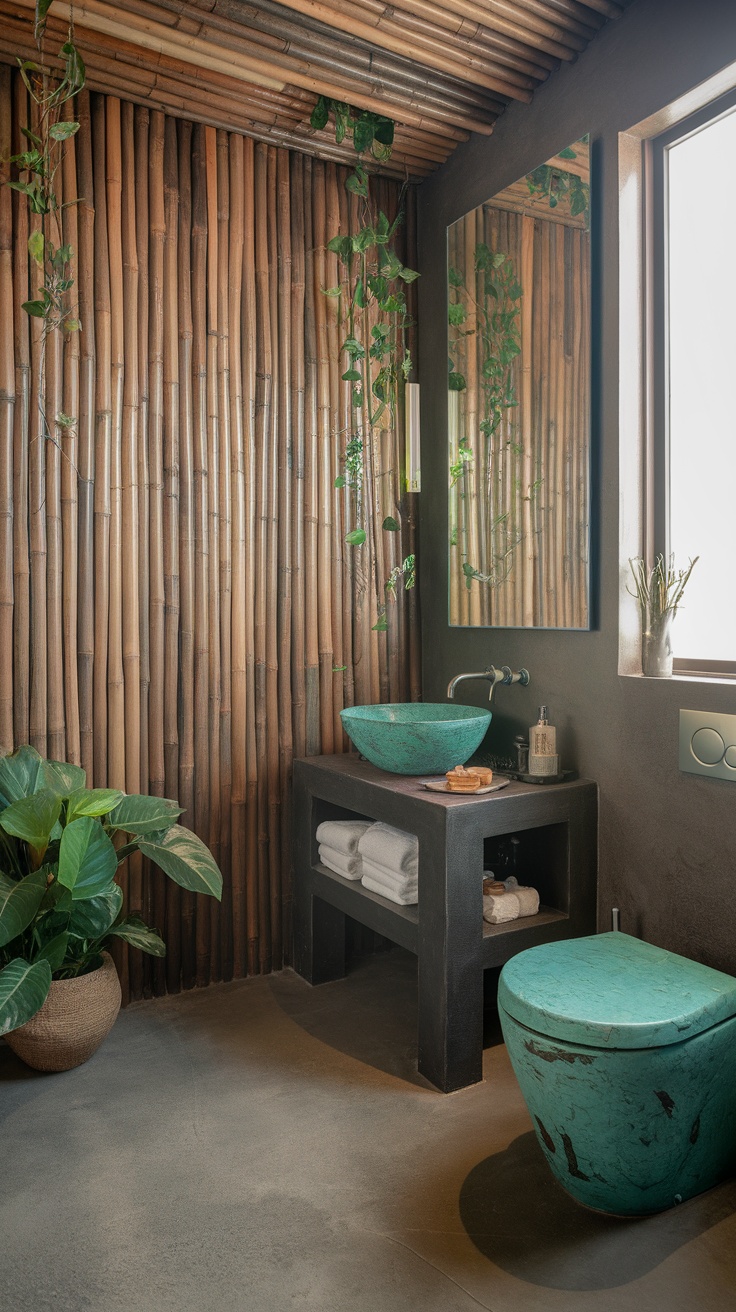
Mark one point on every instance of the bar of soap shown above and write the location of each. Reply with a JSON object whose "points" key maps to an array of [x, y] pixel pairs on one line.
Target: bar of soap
{"points": [[461, 780]]}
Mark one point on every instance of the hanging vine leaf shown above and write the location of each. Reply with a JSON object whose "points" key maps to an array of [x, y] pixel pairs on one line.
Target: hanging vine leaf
{"points": [[390, 525], [356, 537]]}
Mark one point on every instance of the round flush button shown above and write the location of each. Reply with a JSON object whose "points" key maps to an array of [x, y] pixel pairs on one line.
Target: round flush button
{"points": [[730, 757], [707, 746]]}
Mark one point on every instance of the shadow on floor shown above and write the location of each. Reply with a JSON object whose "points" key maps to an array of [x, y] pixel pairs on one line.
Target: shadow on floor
{"points": [[519, 1217], [350, 1015]]}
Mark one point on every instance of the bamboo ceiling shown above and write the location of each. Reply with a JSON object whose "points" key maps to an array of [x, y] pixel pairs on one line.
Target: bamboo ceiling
{"points": [[440, 68]]}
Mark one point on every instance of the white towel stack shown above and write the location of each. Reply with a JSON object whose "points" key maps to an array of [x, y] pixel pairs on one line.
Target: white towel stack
{"points": [[338, 846], [390, 863], [516, 903]]}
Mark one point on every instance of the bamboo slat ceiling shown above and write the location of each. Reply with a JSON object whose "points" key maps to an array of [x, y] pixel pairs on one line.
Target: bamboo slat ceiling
{"points": [[440, 68]]}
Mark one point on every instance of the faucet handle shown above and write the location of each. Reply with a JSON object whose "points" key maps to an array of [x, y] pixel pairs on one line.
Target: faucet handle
{"points": [[515, 676]]}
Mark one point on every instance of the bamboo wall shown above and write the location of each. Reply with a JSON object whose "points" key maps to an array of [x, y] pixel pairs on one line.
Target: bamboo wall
{"points": [[521, 509], [176, 600]]}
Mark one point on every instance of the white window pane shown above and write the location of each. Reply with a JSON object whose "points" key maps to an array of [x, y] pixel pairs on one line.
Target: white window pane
{"points": [[702, 351]]}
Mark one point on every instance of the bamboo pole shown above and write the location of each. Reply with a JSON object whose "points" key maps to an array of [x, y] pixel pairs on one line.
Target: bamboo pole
{"points": [[281, 935], [69, 442], [297, 407], [263, 454], [201, 525], [21, 432], [224, 961], [103, 430], [238, 537], [187, 751], [116, 753], [7, 416], [213, 560], [250, 317], [85, 287], [311, 477], [171, 523]]}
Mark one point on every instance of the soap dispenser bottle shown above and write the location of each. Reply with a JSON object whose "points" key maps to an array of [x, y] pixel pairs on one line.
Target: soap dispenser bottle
{"points": [[543, 758]]}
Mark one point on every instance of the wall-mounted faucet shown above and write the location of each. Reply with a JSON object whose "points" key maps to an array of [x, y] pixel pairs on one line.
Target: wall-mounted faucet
{"points": [[495, 677]]}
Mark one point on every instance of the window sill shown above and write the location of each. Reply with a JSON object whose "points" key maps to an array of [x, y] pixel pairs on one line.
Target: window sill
{"points": [[724, 680]]}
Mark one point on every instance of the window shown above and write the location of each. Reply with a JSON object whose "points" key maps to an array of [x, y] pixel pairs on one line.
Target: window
{"points": [[693, 356]]}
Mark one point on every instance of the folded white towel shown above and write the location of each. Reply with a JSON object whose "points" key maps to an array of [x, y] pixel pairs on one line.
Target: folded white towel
{"points": [[500, 907], [403, 899], [389, 847], [528, 897], [350, 867], [342, 835], [390, 879]]}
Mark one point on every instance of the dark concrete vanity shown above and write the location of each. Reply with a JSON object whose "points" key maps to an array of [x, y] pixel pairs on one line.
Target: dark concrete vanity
{"points": [[458, 835]]}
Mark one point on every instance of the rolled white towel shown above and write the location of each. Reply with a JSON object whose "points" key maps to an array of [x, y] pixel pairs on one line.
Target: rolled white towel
{"points": [[342, 835], [390, 879], [350, 867], [402, 899], [389, 847], [528, 897], [500, 907]]}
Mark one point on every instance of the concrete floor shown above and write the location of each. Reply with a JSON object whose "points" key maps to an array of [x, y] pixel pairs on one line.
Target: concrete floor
{"points": [[263, 1146]]}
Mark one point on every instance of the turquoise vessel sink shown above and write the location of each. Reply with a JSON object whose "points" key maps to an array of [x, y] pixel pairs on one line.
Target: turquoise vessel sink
{"points": [[416, 737]]}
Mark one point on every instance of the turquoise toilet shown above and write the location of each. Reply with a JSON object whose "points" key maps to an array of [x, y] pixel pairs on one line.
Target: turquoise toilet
{"points": [[626, 1057]]}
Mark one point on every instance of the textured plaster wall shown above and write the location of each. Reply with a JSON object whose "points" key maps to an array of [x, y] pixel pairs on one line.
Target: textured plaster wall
{"points": [[667, 839]]}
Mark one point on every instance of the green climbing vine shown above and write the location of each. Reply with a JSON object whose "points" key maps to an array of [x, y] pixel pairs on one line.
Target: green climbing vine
{"points": [[492, 304], [37, 167], [562, 187], [374, 321]]}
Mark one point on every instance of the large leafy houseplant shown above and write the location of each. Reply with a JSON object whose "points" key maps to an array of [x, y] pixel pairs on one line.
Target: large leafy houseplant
{"points": [[61, 844]]}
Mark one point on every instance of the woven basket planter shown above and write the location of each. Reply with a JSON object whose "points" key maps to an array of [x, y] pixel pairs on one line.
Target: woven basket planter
{"points": [[75, 1018]]}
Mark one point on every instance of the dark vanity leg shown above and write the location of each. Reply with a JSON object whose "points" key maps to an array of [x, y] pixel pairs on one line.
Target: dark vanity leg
{"points": [[319, 939], [450, 970]]}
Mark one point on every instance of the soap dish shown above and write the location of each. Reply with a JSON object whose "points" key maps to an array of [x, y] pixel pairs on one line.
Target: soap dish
{"points": [[442, 786]]}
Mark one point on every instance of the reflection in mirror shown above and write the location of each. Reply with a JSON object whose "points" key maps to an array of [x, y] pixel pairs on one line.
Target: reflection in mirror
{"points": [[519, 402]]}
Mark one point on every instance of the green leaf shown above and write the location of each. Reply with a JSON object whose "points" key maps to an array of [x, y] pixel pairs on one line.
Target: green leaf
{"points": [[341, 246], [61, 777], [185, 859], [32, 819], [19, 902], [351, 376], [364, 133], [455, 278], [24, 987], [332, 291], [36, 246], [138, 814], [456, 382], [385, 130], [381, 626], [356, 537], [62, 131], [390, 525], [408, 275], [92, 918], [54, 951], [42, 8], [363, 239], [31, 136], [87, 859], [456, 314], [36, 309], [339, 481], [320, 114], [357, 182], [92, 801], [19, 775], [74, 71], [135, 931], [567, 153]]}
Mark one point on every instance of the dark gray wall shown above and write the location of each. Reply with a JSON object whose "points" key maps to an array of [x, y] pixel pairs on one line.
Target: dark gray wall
{"points": [[667, 840]]}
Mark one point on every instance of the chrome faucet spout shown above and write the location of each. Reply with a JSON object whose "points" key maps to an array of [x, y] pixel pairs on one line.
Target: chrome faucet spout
{"points": [[505, 675], [492, 675]]}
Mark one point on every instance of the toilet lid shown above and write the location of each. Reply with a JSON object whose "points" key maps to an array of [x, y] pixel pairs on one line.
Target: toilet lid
{"points": [[613, 991]]}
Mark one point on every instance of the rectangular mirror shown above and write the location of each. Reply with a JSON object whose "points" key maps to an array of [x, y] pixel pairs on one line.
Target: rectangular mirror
{"points": [[519, 402]]}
